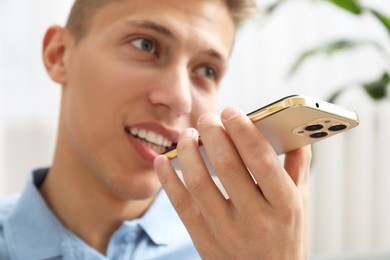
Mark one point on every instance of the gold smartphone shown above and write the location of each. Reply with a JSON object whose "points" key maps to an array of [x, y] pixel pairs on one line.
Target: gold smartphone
{"points": [[295, 121]]}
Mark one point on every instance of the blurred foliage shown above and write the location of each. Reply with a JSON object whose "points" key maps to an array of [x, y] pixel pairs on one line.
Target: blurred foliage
{"points": [[349, 5], [377, 89], [330, 49]]}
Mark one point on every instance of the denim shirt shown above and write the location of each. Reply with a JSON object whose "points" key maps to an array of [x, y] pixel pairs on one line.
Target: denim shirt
{"points": [[30, 230]]}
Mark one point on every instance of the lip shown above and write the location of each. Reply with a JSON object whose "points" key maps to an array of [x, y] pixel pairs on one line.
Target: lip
{"points": [[144, 151]]}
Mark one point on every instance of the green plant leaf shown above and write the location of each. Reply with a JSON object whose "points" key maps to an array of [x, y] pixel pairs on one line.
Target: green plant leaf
{"points": [[351, 6], [335, 95], [385, 20], [330, 49], [340, 45], [273, 7], [301, 59], [378, 88]]}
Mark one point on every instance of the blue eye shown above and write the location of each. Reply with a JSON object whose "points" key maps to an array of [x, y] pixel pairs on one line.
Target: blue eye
{"points": [[144, 44], [208, 72]]}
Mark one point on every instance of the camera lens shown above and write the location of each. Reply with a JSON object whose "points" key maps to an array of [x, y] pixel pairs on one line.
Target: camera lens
{"points": [[337, 127], [314, 127], [319, 135]]}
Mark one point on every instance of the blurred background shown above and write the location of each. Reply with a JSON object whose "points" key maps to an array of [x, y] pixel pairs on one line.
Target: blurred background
{"points": [[320, 48]]}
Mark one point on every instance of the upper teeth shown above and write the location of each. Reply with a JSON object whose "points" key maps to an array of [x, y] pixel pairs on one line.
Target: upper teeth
{"points": [[151, 137]]}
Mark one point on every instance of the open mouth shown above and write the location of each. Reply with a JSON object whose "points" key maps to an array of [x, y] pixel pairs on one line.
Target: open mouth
{"points": [[155, 141]]}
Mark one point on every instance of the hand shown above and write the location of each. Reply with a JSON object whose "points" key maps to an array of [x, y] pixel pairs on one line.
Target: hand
{"points": [[266, 220]]}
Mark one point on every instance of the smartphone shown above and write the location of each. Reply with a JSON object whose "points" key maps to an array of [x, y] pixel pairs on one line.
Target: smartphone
{"points": [[293, 122]]}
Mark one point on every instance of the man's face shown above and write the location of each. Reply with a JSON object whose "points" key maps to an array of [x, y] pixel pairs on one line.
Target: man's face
{"points": [[145, 70]]}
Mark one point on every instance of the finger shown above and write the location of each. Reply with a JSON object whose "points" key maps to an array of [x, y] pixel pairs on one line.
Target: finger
{"points": [[177, 193], [198, 180], [259, 156], [182, 201], [227, 162], [297, 164]]}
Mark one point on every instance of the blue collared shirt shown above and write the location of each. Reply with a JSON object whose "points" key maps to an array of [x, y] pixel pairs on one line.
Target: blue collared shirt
{"points": [[30, 230]]}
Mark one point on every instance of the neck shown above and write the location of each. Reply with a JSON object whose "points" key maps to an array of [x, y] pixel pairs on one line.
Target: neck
{"points": [[86, 207]]}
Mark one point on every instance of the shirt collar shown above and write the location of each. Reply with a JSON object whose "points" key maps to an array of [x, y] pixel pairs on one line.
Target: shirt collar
{"points": [[161, 222], [30, 225]]}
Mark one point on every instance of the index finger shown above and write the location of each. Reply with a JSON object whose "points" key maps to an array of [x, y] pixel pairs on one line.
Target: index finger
{"points": [[260, 158]]}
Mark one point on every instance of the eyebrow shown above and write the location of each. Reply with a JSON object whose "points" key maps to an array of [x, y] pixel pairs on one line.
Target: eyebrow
{"points": [[216, 55], [169, 34], [155, 27]]}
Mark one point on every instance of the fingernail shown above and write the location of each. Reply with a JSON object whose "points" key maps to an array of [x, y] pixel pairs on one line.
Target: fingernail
{"points": [[189, 132], [230, 113], [158, 162]]}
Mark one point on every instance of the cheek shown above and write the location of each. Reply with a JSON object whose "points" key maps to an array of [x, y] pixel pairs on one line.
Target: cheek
{"points": [[92, 100], [103, 85]]}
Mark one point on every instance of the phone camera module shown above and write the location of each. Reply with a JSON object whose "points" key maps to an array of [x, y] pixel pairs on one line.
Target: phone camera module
{"points": [[314, 127], [337, 127], [319, 135]]}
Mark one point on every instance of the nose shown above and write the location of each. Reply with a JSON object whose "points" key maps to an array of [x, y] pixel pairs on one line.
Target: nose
{"points": [[173, 91]]}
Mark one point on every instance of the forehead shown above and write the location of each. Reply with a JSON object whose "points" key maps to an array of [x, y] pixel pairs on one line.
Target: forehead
{"points": [[209, 20]]}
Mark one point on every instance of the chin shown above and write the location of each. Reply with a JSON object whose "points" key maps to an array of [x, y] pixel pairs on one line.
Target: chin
{"points": [[128, 182], [140, 191]]}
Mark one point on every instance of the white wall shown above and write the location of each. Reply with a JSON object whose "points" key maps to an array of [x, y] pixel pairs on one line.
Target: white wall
{"points": [[350, 178], [28, 99]]}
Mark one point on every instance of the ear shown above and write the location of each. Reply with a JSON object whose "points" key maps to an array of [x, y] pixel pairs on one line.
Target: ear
{"points": [[56, 44]]}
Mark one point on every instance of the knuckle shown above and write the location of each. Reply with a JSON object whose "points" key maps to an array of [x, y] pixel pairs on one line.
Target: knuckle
{"points": [[268, 161], [265, 163], [180, 205], [225, 163], [195, 184], [291, 213]]}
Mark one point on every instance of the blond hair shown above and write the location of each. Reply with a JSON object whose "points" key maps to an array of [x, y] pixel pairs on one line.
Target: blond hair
{"points": [[83, 11]]}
